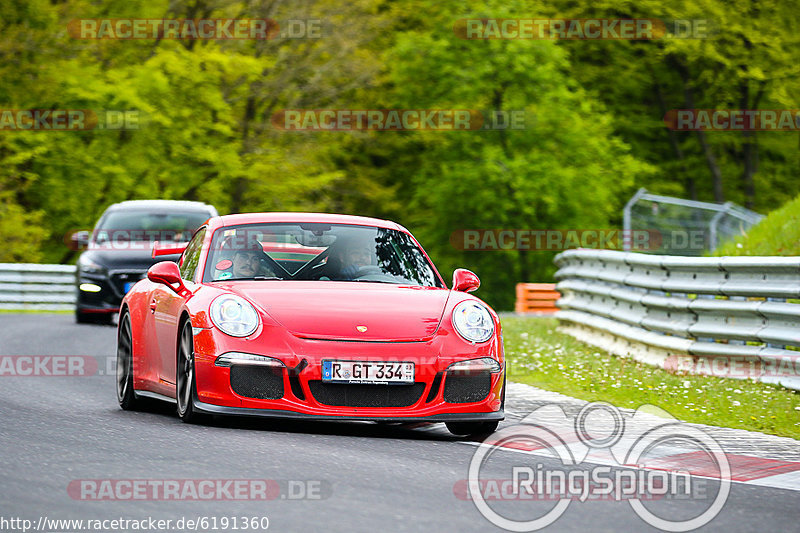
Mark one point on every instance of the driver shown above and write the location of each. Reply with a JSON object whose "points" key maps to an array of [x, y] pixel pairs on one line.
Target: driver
{"points": [[246, 263], [354, 257]]}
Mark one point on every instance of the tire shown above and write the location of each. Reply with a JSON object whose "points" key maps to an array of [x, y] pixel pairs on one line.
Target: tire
{"points": [[185, 383], [125, 394], [472, 429]]}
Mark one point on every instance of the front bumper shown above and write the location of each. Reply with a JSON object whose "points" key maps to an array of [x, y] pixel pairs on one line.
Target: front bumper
{"points": [[210, 409], [111, 289], [296, 390]]}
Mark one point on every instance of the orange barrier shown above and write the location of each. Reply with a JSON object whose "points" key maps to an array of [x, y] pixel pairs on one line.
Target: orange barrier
{"points": [[536, 298]]}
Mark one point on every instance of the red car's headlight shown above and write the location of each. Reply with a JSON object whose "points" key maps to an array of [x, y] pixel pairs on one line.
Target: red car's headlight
{"points": [[234, 315], [473, 322]]}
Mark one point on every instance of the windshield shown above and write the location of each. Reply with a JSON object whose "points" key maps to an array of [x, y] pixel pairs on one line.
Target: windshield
{"points": [[134, 226], [325, 252]]}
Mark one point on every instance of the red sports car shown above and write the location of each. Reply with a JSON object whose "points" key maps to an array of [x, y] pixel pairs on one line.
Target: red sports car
{"points": [[310, 316]]}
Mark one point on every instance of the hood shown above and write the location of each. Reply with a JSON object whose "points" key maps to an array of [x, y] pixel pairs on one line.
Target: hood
{"points": [[333, 310], [138, 256]]}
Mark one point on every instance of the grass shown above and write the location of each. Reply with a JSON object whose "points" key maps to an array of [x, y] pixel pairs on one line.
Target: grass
{"points": [[39, 311], [539, 355], [778, 234]]}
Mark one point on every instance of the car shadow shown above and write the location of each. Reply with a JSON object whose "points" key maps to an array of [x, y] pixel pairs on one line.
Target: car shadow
{"points": [[361, 429]]}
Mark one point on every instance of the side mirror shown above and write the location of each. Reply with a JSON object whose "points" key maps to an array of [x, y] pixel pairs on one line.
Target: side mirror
{"points": [[167, 273], [465, 281], [81, 238], [168, 248]]}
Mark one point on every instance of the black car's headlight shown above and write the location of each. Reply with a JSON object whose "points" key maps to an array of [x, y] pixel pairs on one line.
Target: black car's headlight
{"points": [[473, 322], [234, 315], [90, 267]]}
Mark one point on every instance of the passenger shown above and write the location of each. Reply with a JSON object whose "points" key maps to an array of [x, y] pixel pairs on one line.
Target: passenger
{"points": [[248, 260]]}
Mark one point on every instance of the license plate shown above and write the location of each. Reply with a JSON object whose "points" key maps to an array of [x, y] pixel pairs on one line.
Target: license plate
{"points": [[375, 372], [128, 286]]}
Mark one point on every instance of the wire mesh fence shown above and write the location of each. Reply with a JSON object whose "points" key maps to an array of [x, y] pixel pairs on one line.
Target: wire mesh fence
{"points": [[684, 227]]}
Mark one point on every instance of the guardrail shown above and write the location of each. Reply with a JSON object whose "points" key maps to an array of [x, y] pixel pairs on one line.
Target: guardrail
{"points": [[538, 298], [33, 286], [728, 316]]}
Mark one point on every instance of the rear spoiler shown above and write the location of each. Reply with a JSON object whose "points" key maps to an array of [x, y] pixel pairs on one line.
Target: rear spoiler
{"points": [[168, 248]]}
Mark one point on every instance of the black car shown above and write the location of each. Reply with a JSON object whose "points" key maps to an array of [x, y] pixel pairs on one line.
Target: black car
{"points": [[119, 250]]}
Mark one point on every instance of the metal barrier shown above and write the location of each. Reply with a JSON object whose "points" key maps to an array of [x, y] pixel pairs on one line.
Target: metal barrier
{"points": [[33, 286], [537, 298], [728, 316]]}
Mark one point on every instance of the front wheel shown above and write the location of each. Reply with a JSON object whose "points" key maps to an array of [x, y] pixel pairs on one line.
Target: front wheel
{"points": [[472, 429], [185, 380], [125, 395]]}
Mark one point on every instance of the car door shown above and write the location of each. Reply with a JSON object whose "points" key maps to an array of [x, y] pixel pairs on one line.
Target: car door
{"points": [[168, 306]]}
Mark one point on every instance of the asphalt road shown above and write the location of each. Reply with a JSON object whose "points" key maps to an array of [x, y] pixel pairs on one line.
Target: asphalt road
{"points": [[56, 431]]}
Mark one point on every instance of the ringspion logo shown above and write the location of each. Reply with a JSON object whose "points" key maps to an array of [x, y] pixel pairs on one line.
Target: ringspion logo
{"points": [[636, 469]]}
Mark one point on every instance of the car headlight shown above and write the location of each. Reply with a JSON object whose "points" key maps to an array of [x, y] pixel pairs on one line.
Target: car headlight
{"points": [[87, 265], [473, 322], [234, 315]]}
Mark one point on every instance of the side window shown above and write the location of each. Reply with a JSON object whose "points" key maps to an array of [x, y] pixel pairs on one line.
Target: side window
{"points": [[191, 256]]}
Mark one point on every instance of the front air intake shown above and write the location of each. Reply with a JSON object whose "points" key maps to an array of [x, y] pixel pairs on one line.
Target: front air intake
{"points": [[259, 382], [461, 387], [360, 395]]}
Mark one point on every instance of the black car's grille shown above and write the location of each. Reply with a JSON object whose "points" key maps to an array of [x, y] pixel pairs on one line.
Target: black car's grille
{"points": [[118, 279], [359, 395], [259, 382], [467, 388]]}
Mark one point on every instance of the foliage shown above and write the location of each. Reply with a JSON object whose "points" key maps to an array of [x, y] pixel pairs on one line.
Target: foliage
{"points": [[594, 130], [777, 234]]}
